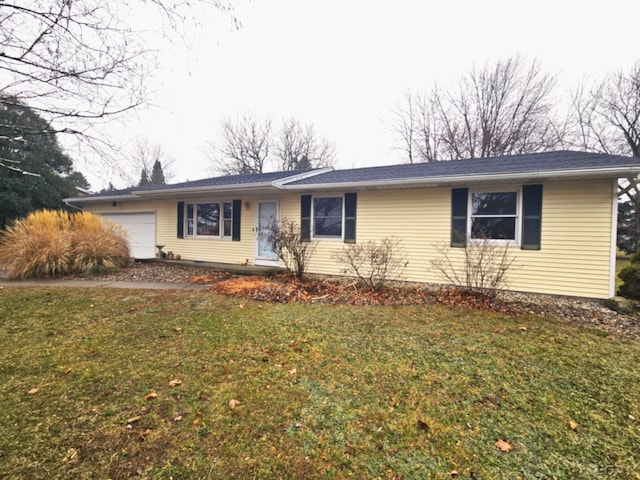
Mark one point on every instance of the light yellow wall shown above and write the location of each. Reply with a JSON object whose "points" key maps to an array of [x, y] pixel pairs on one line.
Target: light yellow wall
{"points": [[575, 258], [205, 249]]}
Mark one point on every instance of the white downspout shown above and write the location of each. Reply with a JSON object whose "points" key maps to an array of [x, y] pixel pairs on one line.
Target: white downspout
{"points": [[614, 238]]}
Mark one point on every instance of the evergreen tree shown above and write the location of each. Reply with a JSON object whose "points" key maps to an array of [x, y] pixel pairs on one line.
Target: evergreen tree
{"points": [[34, 172], [144, 178], [626, 227], [157, 175]]}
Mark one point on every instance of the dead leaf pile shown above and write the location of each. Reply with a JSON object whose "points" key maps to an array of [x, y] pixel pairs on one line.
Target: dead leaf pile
{"points": [[286, 289]]}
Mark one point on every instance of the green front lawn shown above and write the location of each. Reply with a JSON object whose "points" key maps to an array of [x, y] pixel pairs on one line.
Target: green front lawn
{"points": [[316, 391]]}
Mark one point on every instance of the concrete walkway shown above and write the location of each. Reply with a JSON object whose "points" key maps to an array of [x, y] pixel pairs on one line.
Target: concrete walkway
{"points": [[102, 284]]}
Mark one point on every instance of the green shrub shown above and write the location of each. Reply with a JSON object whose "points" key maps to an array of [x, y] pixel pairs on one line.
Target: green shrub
{"points": [[630, 275], [49, 243], [620, 305]]}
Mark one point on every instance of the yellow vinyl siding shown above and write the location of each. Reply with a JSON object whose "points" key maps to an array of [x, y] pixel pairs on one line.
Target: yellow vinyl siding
{"points": [[204, 249], [574, 258], [576, 236]]}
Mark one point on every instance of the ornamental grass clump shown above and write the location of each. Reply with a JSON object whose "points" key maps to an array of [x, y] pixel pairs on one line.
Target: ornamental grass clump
{"points": [[97, 243], [50, 243], [37, 246]]}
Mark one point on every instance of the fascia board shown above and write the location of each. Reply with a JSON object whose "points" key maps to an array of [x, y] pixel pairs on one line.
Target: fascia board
{"points": [[613, 172]]}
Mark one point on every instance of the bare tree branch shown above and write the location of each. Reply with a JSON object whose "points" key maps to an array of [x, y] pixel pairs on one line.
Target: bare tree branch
{"points": [[80, 63], [500, 109], [297, 147]]}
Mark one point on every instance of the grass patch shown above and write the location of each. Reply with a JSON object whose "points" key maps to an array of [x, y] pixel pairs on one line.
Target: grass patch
{"points": [[323, 392]]}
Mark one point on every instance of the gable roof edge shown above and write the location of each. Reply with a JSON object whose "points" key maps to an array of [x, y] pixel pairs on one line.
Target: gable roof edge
{"points": [[301, 176]]}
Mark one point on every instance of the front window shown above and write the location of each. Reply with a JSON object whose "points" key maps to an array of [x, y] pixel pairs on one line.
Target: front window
{"points": [[327, 217], [209, 219], [227, 218], [494, 215]]}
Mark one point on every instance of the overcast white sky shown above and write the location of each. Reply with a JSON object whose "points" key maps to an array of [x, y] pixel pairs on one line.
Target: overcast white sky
{"points": [[342, 65]]}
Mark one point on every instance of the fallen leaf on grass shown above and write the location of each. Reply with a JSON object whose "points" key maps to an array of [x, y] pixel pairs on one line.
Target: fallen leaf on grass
{"points": [[175, 383], [134, 419], [150, 396], [33, 391], [293, 371], [178, 418], [177, 329], [523, 329], [503, 446], [67, 371], [233, 404], [71, 456], [573, 425]]}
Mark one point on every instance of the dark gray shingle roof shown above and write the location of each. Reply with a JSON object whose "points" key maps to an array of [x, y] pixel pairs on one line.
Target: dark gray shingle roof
{"points": [[569, 162], [512, 164], [227, 180], [223, 181]]}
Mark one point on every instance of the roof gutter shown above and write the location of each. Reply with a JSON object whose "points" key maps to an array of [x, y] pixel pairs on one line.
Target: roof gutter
{"points": [[613, 172], [106, 198]]}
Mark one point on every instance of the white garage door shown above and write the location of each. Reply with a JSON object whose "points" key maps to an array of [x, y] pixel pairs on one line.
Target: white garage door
{"points": [[142, 231]]}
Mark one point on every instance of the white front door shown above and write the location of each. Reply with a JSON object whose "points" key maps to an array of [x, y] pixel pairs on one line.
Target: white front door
{"points": [[267, 213]]}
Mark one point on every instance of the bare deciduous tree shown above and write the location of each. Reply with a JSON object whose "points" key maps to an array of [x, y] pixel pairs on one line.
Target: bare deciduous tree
{"points": [[143, 158], [297, 147], [500, 109], [249, 145], [79, 63], [607, 115], [244, 146]]}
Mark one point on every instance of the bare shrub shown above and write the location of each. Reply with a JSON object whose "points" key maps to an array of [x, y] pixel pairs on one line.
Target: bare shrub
{"points": [[285, 237], [49, 243], [97, 243], [481, 270], [375, 263]]}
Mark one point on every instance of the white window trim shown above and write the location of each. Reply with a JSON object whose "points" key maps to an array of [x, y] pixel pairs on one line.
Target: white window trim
{"points": [[518, 215], [195, 235], [313, 220]]}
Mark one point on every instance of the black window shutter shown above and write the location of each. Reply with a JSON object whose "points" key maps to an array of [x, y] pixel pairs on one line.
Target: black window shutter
{"points": [[350, 207], [180, 219], [531, 217], [236, 209], [305, 217], [459, 199]]}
